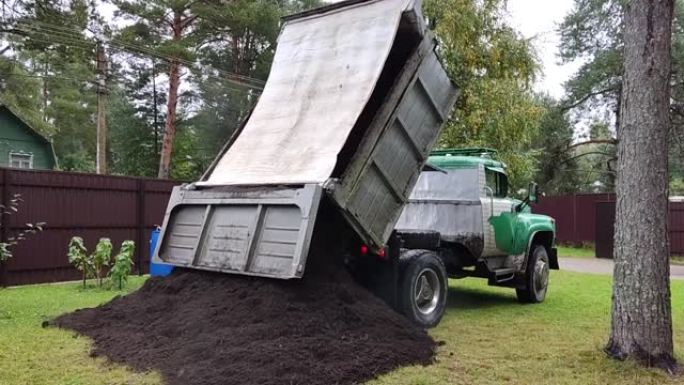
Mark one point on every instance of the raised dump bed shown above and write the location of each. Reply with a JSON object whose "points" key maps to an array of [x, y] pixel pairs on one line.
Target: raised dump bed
{"points": [[354, 102]]}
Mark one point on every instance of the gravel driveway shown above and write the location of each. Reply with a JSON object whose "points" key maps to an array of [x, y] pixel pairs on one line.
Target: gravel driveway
{"points": [[605, 266]]}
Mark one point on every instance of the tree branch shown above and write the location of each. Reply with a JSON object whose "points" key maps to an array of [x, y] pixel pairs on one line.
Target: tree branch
{"points": [[585, 154], [592, 141], [587, 97], [188, 20]]}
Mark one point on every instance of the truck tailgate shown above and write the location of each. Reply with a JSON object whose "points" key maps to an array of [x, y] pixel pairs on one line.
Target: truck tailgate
{"points": [[255, 231]]}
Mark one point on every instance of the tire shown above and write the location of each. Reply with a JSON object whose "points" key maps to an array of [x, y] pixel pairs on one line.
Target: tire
{"points": [[536, 277], [423, 287]]}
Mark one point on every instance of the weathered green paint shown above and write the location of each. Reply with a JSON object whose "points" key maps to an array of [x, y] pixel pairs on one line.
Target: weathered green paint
{"points": [[514, 231], [17, 136]]}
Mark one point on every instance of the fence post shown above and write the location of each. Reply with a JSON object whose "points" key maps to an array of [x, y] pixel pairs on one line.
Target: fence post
{"points": [[140, 249]]}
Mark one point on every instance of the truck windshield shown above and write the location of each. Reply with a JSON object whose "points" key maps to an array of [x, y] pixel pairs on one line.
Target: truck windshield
{"points": [[454, 184]]}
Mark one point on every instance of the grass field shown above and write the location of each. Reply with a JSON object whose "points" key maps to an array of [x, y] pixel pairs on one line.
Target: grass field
{"points": [[488, 338], [587, 252], [576, 252]]}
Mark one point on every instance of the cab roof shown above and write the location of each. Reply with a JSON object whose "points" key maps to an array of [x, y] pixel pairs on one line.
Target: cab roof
{"points": [[451, 158]]}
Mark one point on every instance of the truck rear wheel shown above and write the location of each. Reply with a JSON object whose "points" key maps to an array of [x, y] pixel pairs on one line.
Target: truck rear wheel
{"points": [[422, 287], [536, 277]]}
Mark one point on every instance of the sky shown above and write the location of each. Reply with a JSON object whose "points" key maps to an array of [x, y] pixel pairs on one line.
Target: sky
{"points": [[538, 19]]}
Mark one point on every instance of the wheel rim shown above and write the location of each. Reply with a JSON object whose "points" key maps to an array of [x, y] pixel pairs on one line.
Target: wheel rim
{"points": [[427, 291], [541, 277]]}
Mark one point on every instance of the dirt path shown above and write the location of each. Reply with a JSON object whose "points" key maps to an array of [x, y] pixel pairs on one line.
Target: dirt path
{"points": [[605, 266]]}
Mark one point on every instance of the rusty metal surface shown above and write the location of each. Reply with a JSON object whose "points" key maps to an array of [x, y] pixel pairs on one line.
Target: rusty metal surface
{"points": [[76, 204]]}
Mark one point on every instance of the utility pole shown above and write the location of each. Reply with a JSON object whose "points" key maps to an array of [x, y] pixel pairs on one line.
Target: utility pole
{"points": [[101, 68]]}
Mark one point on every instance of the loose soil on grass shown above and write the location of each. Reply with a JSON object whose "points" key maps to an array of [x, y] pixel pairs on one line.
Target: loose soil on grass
{"points": [[207, 328]]}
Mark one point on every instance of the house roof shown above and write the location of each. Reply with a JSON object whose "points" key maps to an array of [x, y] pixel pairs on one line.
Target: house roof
{"points": [[26, 123], [32, 130]]}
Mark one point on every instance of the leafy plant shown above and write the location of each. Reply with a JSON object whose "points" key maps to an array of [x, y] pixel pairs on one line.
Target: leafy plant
{"points": [[31, 228], [78, 257], [101, 258], [122, 264]]}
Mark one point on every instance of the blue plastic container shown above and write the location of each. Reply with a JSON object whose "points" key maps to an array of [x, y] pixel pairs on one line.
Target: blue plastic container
{"points": [[156, 269]]}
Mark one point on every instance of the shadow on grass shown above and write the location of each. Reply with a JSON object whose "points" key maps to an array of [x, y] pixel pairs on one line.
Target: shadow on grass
{"points": [[468, 298]]}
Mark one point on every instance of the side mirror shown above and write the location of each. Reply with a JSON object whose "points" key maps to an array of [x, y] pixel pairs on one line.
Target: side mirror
{"points": [[532, 195]]}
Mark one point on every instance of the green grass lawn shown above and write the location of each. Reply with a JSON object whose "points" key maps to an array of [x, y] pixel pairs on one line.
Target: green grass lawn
{"points": [[575, 252], [587, 252], [30, 354], [489, 338]]}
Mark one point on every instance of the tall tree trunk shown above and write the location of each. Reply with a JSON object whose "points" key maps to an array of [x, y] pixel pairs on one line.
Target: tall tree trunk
{"points": [[641, 313], [170, 125]]}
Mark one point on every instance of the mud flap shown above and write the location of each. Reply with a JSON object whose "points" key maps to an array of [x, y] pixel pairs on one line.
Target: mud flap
{"points": [[553, 258]]}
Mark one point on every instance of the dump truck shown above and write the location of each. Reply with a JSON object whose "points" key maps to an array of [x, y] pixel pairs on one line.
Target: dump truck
{"points": [[354, 103], [460, 212]]}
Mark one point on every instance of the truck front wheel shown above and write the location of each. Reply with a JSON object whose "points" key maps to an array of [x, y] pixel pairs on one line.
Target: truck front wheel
{"points": [[536, 277], [423, 287]]}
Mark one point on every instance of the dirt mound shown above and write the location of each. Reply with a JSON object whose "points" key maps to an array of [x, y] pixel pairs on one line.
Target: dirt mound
{"points": [[205, 328]]}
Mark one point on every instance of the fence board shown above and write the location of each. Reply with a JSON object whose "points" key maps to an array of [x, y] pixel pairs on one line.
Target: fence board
{"points": [[77, 204], [590, 218]]}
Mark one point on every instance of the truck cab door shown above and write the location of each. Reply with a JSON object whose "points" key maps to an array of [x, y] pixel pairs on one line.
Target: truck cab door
{"points": [[498, 217]]}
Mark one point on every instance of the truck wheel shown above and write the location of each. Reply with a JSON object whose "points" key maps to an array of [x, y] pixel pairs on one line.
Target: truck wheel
{"points": [[536, 277], [423, 287]]}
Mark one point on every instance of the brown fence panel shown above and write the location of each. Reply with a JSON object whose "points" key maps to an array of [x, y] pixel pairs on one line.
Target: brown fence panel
{"points": [[75, 204], [575, 215], [590, 218], [605, 222]]}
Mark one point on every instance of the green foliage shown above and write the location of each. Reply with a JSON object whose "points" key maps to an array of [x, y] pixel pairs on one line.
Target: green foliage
{"points": [[677, 186], [493, 67], [123, 262], [101, 258], [557, 167], [78, 257], [592, 32], [132, 149]]}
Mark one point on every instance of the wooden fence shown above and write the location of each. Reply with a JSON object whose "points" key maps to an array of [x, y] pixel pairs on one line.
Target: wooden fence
{"points": [[87, 205]]}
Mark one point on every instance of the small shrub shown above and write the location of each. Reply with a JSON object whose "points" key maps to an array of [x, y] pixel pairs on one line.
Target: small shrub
{"points": [[122, 264], [78, 257], [101, 258]]}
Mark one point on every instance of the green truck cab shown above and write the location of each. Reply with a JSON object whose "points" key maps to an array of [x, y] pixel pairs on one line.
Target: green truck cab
{"points": [[461, 204]]}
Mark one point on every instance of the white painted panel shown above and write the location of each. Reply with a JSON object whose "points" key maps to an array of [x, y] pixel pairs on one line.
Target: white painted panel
{"points": [[324, 71], [492, 207]]}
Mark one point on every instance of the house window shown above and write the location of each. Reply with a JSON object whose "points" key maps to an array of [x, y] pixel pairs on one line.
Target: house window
{"points": [[18, 160]]}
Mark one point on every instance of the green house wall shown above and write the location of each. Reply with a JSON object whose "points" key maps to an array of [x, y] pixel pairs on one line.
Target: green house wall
{"points": [[16, 136]]}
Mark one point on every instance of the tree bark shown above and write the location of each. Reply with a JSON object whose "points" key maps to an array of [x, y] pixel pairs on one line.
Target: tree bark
{"points": [[170, 124], [641, 327]]}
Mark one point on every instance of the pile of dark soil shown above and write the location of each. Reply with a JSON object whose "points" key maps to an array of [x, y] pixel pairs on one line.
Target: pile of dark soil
{"points": [[206, 328]]}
